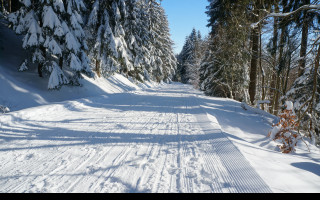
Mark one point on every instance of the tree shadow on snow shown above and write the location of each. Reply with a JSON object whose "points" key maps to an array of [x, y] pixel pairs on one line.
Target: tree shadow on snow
{"points": [[308, 166]]}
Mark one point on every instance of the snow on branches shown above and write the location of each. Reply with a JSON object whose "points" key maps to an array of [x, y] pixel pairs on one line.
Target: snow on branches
{"points": [[53, 33], [285, 132], [119, 36]]}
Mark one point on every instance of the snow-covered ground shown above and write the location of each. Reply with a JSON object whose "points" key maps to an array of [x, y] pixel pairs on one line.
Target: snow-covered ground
{"points": [[165, 139], [111, 135]]}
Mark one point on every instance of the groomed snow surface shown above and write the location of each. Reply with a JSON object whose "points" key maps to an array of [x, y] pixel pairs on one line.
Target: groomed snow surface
{"points": [[111, 135], [168, 138]]}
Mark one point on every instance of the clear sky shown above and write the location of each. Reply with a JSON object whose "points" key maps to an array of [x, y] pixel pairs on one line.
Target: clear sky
{"points": [[183, 16]]}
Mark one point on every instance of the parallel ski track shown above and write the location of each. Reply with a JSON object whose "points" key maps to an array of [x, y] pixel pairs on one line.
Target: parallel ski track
{"points": [[181, 152]]}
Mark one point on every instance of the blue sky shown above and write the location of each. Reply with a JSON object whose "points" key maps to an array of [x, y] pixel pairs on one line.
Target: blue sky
{"points": [[183, 16]]}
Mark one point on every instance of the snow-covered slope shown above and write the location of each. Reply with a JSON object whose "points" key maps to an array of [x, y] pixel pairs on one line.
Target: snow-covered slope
{"points": [[19, 90]]}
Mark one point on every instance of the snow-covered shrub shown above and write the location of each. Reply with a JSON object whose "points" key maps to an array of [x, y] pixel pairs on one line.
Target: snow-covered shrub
{"points": [[4, 109], [285, 132], [24, 66]]}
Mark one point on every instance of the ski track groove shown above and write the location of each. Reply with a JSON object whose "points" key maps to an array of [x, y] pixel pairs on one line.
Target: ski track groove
{"points": [[143, 128], [212, 164], [116, 162], [118, 159], [81, 167], [160, 174], [29, 167]]}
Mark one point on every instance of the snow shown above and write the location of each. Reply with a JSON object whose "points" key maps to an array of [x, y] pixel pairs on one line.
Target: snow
{"points": [[50, 19], [72, 43], [289, 105], [112, 135], [24, 66], [58, 5], [53, 46], [75, 63], [57, 77], [262, 102], [168, 138], [274, 131], [26, 3]]}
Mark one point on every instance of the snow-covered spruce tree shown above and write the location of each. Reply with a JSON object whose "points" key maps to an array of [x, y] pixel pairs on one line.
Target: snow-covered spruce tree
{"points": [[107, 43], [194, 71], [168, 58], [138, 38], [130, 37], [75, 47], [52, 30], [182, 58], [162, 58], [207, 71], [101, 40], [230, 58], [224, 71], [118, 17], [190, 59]]}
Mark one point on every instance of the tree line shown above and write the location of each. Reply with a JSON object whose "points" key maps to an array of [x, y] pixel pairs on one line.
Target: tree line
{"points": [[69, 38], [260, 51]]}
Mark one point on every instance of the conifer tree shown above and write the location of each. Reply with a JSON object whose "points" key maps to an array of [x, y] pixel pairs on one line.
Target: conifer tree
{"points": [[162, 57], [229, 64], [137, 38], [190, 59], [101, 39], [45, 26], [124, 36]]}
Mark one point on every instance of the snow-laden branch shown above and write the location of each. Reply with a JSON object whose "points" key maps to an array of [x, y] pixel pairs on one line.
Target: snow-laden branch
{"points": [[283, 15]]}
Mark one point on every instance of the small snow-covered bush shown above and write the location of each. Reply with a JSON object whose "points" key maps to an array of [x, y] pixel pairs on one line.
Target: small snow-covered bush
{"points": [[4, 109], [285, 132], [24, 66]]}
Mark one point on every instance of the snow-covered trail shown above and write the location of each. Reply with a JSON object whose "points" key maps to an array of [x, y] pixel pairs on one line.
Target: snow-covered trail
{"points": [[154, 140]]}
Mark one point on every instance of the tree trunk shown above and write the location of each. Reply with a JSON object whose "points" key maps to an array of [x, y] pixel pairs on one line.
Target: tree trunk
{"points": [[288, 65], [304, 41], [40, 65], [280, 68], [315, 77], [254, 64], [10, 10], [15, 5], [2, 6], [98, 67], [262, 73], [285, 85], [61, 62], [274, 58]]}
